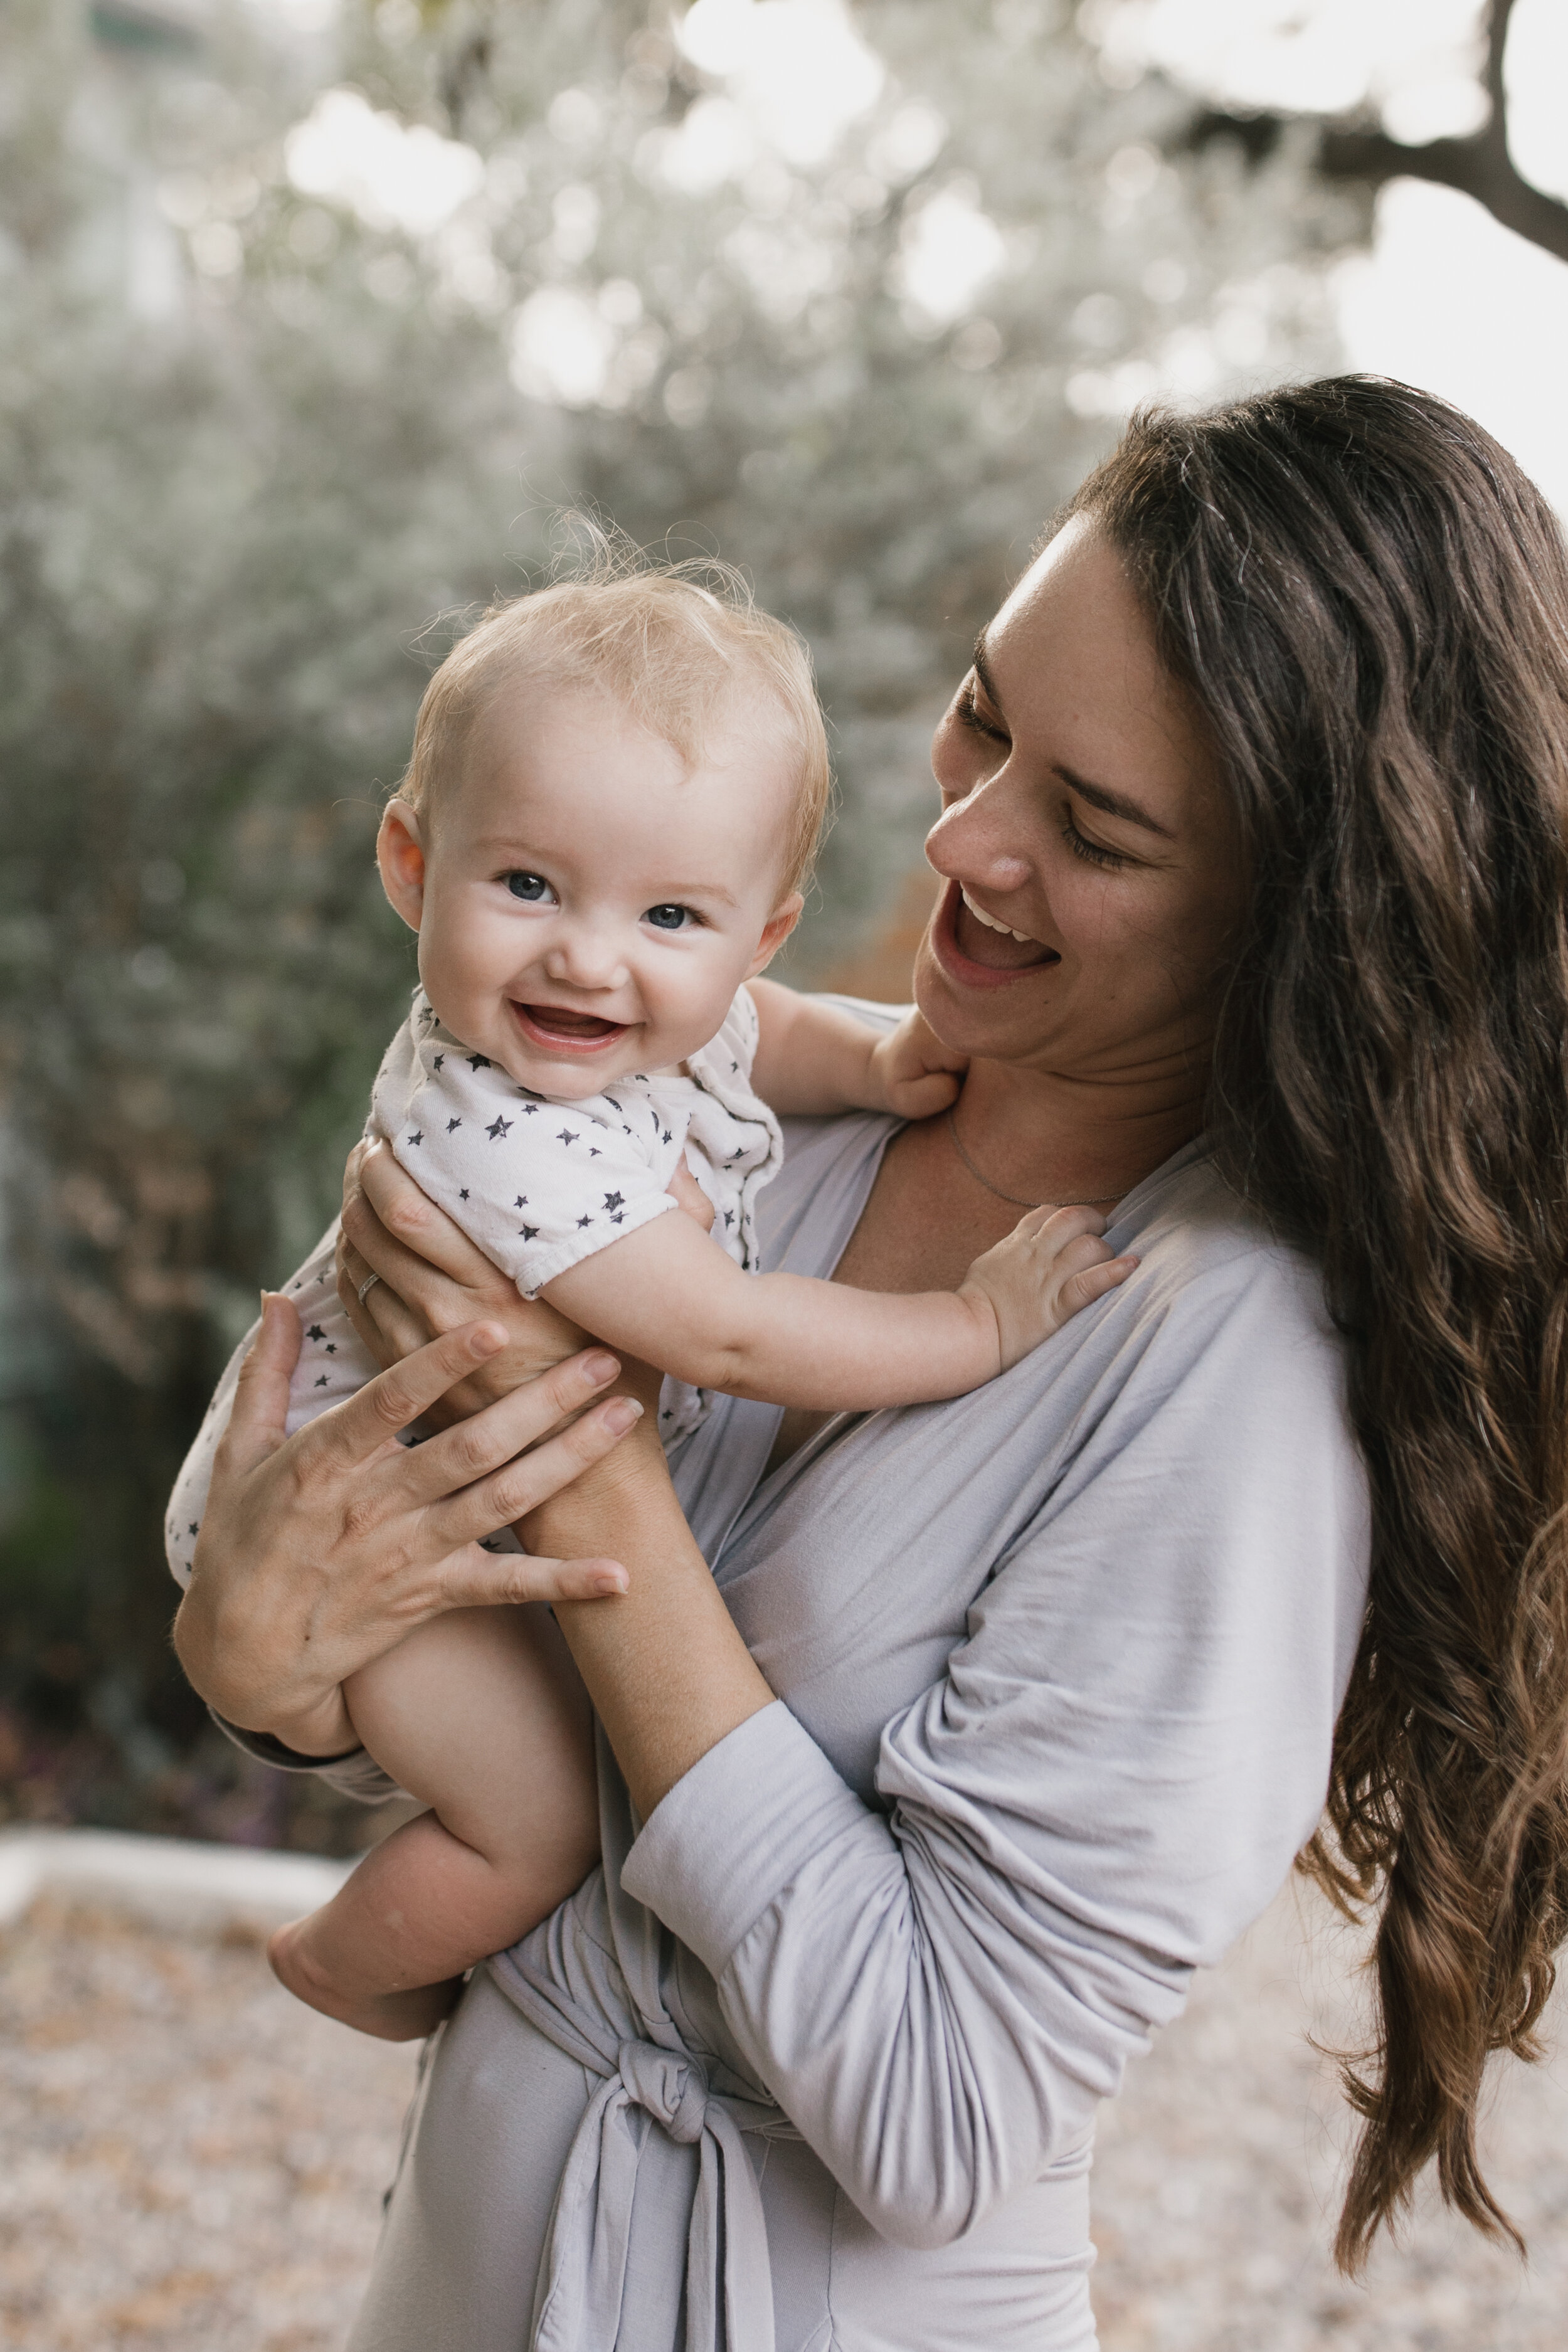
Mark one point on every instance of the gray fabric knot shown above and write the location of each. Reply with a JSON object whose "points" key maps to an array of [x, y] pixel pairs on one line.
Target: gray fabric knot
{"points": [[672, 2088]]}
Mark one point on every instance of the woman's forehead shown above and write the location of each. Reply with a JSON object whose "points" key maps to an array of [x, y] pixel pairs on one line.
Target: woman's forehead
{"points": [[1072, 659]]}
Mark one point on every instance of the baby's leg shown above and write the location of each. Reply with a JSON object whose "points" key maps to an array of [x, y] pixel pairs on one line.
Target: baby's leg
{"points": [[481, 1714]]}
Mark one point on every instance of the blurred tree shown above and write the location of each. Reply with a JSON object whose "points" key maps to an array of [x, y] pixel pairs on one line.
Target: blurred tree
{"points": [[296, 360], [1359, 153]]}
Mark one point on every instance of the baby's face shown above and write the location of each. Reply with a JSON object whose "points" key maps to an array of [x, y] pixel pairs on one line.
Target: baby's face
{"points": [[585, 905]]}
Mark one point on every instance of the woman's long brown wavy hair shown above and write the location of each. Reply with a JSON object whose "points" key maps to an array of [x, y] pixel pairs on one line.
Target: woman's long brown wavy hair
{"points": [[1369, 602]]}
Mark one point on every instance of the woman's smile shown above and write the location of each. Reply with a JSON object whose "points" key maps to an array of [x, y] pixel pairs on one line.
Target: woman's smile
{"points": [[975, 951]]}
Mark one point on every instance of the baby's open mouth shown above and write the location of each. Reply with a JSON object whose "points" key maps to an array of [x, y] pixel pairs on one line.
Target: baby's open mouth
{"points": [[557, 1026]]}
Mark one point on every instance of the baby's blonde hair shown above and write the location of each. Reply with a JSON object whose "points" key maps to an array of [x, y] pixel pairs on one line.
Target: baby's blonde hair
{"points": [[672, 643]]}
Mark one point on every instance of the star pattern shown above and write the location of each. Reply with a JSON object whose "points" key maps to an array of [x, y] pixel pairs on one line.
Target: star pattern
{"points": [[563, 1215]]}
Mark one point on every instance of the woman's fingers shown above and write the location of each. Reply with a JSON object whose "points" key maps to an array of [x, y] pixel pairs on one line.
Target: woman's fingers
{"points": [[413, 1221], [455, 1462], [421, 1284], [388, 1326], [476, 1579], [520, 1485], [688, 1195], [261, 1398], [351, 1432]]}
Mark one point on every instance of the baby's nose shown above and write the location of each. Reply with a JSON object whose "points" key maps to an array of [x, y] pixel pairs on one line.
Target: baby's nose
{"points": [[587, 959]]}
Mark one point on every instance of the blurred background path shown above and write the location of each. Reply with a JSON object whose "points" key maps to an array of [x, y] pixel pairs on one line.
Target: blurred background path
{"points": [[196, 2163]]}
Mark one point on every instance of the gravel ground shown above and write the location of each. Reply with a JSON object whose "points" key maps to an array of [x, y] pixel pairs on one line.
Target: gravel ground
{"points": [[196, 2163]]}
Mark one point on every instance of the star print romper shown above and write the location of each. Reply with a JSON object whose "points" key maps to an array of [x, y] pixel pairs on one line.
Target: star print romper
{"points": [[538, 1184]]}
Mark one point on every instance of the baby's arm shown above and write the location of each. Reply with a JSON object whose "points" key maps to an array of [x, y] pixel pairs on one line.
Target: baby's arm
{"points": [[665, 1293], [814, 1059]]}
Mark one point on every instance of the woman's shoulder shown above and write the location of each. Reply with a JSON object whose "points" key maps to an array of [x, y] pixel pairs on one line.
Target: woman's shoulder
{"points": [[1203, 1251], [1220, 1338]]}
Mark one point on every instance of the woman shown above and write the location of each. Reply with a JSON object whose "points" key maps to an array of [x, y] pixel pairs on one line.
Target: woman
{"points": [[1254, 837]]}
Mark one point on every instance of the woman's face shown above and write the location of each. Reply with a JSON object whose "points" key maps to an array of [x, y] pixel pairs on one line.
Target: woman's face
{"points": [[1093, 869]]}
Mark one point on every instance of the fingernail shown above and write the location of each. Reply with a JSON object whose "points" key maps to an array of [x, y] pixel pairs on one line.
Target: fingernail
{"points": [[611, 1583], [622, 1414], [597, 1370], [488, 1341]]}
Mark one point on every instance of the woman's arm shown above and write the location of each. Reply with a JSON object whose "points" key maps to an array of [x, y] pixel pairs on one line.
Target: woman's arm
{"points": [[668, 1672]]}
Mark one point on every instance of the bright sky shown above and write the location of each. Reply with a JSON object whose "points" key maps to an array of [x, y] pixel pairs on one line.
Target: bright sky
{"points": [[1447, 298]]}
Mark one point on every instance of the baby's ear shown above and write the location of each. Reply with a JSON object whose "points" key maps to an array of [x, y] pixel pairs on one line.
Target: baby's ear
{"points": [[400, 854], [776, 929]]}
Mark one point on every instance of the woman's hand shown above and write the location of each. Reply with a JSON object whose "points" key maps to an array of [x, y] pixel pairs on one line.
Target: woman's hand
{"points": [[320, 1552], [431, 1278]]}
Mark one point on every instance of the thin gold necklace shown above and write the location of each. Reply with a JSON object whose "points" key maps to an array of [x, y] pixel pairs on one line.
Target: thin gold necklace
{"points": [[1011, 1199]]}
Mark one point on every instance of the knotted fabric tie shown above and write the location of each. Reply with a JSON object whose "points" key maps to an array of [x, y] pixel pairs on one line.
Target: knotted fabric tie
{"points": [[582, 2280]]}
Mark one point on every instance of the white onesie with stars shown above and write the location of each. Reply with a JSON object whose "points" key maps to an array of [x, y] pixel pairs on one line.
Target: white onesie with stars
{"points": [[539, 1184]]}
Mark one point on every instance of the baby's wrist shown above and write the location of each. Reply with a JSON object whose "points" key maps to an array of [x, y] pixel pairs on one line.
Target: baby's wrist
{"points": [[988, 1322], [874, 1092]]}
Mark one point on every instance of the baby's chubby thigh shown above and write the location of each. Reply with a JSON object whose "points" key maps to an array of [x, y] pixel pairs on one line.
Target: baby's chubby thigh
{"points": [[481, 1714]]}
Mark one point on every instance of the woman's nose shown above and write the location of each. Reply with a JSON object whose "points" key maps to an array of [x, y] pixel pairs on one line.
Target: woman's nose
{"points": [[968, 843]]}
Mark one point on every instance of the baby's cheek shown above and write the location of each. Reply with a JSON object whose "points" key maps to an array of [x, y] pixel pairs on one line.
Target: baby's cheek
{"points": [[686, 1006]]}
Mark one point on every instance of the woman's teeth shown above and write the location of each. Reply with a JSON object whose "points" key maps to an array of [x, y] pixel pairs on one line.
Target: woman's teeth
{"points": [[991, 922]]}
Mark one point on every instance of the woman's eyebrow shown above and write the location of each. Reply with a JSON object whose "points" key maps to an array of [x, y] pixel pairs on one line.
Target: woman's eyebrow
{"points": [[1112, 804]]}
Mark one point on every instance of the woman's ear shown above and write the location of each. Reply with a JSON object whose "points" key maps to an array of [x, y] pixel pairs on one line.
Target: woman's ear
{"points": [[776, 929], [400, 854]]}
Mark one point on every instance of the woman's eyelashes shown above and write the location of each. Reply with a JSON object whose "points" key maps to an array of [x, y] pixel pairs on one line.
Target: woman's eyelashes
{"points": [[971, 715], [531, 889], [1093, 852]]}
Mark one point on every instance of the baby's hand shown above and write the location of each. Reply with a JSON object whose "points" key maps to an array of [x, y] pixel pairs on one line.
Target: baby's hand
{"points": [[1051, 1265], [913, 1073]]}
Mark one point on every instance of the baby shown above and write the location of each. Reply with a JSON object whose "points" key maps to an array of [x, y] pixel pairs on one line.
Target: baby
{"points": [[613, 798]]}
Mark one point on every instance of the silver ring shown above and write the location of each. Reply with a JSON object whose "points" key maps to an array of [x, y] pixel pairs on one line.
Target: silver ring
{"points": [[366, 1286]]}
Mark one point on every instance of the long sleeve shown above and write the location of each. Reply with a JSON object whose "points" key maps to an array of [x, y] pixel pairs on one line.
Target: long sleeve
{"points": [[1105, 1788]]}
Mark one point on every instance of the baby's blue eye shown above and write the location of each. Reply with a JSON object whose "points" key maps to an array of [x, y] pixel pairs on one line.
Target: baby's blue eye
{"points": [[668, 919], [532, 887]]}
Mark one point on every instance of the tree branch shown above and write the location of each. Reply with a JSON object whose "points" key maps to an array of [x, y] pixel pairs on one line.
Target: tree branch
{"points": [[1480, 166]]}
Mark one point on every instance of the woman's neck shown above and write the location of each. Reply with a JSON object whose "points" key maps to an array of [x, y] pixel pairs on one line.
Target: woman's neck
{"points": [[1043, 1135]]}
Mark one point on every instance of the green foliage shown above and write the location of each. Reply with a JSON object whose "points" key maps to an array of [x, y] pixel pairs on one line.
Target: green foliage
{"points": [[254, 439]]}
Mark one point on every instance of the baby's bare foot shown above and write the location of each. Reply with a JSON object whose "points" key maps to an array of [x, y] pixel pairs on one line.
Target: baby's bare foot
{"points": [[406, 2015]]}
